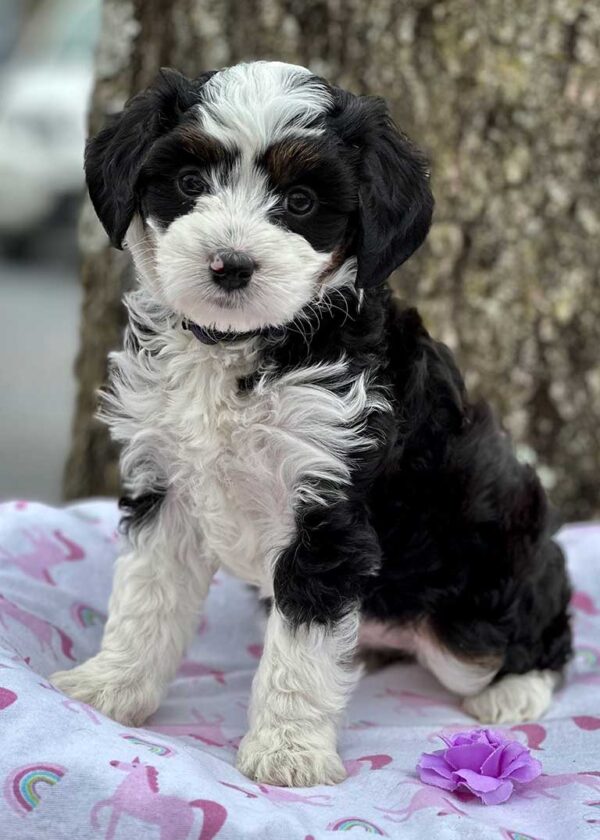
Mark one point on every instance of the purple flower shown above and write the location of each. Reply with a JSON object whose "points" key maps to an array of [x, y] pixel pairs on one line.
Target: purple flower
{"points": [[484, 761]]}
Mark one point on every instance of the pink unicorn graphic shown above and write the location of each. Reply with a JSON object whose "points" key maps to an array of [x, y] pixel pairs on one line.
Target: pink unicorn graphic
{"points": [[189, 668], [138, 796], [584, 603], [7, 698], [47, 552], [534, 733], [283, 795], [74, 705], [544, 784], [361, 724], [210, 732], [354, 766], [587, 722], [41, 629], [425, 797], [592, 820], [414, 701]]}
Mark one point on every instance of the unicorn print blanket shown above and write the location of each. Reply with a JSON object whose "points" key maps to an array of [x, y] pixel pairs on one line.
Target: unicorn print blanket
{"points": [[68, 772]]}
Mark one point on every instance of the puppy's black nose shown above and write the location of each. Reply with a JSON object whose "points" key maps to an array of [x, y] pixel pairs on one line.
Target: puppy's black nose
{"points": [[232, 269]]}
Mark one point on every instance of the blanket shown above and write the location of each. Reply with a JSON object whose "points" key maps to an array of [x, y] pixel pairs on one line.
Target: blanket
{"points": [[68, 772]]}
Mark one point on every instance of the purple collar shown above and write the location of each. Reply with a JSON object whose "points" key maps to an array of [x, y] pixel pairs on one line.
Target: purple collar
{"points": [[211, 336]]}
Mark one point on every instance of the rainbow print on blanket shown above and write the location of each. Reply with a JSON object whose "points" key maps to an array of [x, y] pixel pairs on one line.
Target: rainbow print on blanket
{"points": [[86, 616], [25, 786], [351, 823], [152, 746]]}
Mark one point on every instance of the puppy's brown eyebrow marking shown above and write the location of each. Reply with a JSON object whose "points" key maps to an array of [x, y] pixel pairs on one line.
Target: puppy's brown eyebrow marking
{"points": [[290, 157], [202, 145]]}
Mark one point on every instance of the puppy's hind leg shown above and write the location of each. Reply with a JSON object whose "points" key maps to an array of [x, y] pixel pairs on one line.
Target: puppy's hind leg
{"points": [[534, 661], [514, 698], [463, 676], [511, 699]]}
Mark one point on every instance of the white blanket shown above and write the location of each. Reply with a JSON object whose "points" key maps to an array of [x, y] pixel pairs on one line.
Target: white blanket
{"points": [[67, 771]]}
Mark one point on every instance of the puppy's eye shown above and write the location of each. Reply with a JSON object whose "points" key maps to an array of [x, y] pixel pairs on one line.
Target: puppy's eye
{"points": [[190, 183], [300, 201]]}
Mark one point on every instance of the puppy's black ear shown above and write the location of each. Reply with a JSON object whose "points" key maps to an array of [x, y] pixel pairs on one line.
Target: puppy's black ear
{"points": [[114, 156], [395, 201]]}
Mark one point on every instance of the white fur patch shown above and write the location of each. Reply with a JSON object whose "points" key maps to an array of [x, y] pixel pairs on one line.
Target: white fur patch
{"points": [[236, 216], [299, 691], [245, 459], [514, 698], [253, 105], [158, 591], [457, 675]]}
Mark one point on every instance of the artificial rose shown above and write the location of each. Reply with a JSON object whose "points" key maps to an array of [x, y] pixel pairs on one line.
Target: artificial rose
{"points": [[484, 761]]}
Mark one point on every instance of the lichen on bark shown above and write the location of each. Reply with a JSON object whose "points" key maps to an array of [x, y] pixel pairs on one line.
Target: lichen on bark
{"points": [[504, 95]]}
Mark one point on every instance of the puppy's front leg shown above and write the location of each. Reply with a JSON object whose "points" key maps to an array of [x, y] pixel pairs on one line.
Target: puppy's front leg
{"points": [[298, 693], [158, 591], [305, 674]]}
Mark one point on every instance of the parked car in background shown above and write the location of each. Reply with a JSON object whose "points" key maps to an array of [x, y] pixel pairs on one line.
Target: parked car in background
{"points": [[44, 89], [12, 13]]}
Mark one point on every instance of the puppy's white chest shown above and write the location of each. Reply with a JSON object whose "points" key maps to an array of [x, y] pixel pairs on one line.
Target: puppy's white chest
{"points": [[241, 460], [244, 500], [252, 455]]}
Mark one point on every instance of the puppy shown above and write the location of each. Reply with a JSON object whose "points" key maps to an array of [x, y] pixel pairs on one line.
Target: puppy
{"points": [[283, 418]]}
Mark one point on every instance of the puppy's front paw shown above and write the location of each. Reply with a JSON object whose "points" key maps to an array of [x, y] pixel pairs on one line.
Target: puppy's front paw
{"points": [[269, 758], [109, 690]]}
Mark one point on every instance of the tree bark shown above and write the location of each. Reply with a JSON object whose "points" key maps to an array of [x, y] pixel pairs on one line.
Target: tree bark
{"points": [[504, 96]]}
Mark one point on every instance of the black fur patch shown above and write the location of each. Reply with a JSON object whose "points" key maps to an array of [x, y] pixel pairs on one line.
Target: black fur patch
{"points": [[324, 165], [395, 201], [186, 146], [442, 523], [114, 157], [140, 510]]}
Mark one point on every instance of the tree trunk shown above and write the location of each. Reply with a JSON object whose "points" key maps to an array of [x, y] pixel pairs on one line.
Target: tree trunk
{"points": [[505, 98]]}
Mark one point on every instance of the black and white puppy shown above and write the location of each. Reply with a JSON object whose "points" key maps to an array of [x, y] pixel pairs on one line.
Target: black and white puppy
{"points": [[283, 418]]}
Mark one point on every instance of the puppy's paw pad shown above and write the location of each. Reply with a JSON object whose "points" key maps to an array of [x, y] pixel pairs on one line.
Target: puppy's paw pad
{"points": [[273, 762], [513, 699]]}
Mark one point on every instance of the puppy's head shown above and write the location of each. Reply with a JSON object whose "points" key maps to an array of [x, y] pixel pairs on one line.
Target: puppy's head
{"points": [[246, 192]]}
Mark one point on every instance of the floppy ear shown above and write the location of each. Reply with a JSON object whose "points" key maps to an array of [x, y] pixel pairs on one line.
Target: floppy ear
{"points": [[395, 201], [114, 156]]}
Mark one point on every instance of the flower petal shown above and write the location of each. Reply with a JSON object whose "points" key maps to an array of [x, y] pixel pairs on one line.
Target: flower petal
{"points": [[501, 794], [478, 783], [526, 772], [491, 766], [513, 750], [435, 761], [497, 738], [430, 777], [470, 756]]}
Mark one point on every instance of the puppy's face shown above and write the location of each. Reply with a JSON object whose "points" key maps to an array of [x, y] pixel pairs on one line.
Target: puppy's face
{"points": [[250, 191], [250, 200]]}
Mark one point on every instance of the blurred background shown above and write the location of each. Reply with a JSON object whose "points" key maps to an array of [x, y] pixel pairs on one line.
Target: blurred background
{"points": [[46, 72], [504, 96]]}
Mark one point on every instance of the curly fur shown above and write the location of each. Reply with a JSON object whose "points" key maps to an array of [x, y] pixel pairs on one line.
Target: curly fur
{"points": [[323, 447]]}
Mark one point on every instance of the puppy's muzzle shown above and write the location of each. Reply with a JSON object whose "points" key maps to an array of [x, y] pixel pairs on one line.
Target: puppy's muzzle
{"points": [[232, 269]]}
